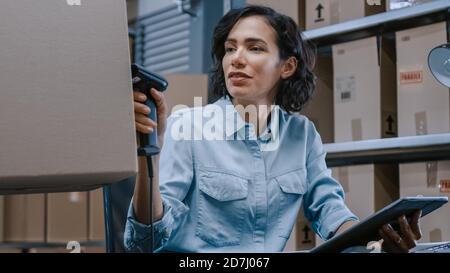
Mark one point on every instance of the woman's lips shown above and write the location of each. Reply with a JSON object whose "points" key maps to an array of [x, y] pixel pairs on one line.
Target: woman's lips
{"points": [[238, 81], [238, 78]]}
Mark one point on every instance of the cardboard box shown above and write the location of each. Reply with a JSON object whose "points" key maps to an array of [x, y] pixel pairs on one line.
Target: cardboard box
{"points": [[292, 8], [368, 188], [184, 88], [320, 13], [364, 90], [24, 218], [423, 103], [2, 210], [302, 237], [320, 109], [96, 216], [66, 103], [429, 179], [67, 217]]}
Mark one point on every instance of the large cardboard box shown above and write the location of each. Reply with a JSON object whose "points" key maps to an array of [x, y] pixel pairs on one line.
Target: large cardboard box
{"points": [[368, 188], [364, 90], [423, 103], [429, 179], [67, 217], [24, 218], [365, 108], [2, 209], [320, 109], [184, 88], [96, 216], [424, 108], [66, 103], [320, 13], [292, 8]]}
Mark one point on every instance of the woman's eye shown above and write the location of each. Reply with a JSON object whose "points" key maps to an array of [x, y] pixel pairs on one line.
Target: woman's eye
{"points": [[257, 49], [229, 49]]}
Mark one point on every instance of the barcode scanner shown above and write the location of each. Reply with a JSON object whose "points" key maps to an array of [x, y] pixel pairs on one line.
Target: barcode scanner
{"points": [[143, 80]]}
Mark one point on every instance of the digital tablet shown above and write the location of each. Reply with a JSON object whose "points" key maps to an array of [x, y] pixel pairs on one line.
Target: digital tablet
{"points": [[367, 230]]}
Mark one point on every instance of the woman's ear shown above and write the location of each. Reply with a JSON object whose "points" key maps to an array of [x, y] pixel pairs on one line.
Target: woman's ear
{"points": [[289, 67]]}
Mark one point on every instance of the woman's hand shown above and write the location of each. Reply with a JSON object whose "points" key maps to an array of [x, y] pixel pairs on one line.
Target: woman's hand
{"points": [[143, 123], [403, 241]]}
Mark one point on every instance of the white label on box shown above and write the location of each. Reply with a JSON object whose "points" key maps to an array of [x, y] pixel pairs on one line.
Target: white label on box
{"points": [[411, 77], [75, 197], [345, 88]]}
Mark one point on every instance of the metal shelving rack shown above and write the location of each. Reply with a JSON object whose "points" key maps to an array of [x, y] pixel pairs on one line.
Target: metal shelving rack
{"points": [[390, 21], [391, 150]]}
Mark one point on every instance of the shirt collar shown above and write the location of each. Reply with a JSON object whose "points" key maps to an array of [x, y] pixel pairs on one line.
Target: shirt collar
{"points": [[235, 124]]}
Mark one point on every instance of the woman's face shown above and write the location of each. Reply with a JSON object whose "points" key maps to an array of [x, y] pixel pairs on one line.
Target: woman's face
{"points": [[251, 63]]}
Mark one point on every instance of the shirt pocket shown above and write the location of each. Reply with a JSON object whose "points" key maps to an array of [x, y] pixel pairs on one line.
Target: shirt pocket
{"points": [[222, 206], [291, 188]]}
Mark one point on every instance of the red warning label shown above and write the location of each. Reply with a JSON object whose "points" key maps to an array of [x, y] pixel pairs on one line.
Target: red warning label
{"points": [[411, 77], [444, 186]]}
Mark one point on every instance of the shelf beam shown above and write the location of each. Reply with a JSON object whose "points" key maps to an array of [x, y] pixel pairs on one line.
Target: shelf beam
{"points": [[390, 150], [390, 21]]}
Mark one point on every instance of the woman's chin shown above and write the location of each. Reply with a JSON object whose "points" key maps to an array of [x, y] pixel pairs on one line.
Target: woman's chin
{"points": [[240, 92]]}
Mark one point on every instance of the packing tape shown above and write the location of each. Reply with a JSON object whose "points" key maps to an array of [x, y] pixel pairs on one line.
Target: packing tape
{"points": [[432, 170], [356, 129], [431, 167]]}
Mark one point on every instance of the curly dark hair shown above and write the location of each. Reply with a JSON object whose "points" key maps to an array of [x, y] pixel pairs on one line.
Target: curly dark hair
{"points": [[295, 91]]}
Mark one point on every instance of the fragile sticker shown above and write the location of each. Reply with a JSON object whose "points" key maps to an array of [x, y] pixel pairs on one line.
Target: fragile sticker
{"points": [[444, 186], [411, 77]]}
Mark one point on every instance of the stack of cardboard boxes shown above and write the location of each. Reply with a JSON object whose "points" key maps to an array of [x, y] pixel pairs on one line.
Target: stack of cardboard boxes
{"points": [[365, 108], [423, 108], [54, 218]]}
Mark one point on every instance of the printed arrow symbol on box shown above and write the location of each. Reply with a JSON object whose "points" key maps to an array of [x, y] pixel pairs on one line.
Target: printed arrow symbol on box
{"points": [[390, 121], [306, 231], [319, 9]]}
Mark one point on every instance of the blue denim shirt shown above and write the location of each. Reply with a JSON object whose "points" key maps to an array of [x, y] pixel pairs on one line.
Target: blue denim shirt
{"points": [[237, 194]]}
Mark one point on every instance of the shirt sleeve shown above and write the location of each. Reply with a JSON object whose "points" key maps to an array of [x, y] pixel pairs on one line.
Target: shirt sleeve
{"points": [[323, 203], [175, 179]]}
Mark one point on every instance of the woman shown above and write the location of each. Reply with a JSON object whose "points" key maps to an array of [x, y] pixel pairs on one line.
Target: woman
{"points": [[242, 192]]}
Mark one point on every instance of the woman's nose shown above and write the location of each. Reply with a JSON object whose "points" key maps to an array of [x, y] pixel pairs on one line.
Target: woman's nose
{"points": [[238, 59]]}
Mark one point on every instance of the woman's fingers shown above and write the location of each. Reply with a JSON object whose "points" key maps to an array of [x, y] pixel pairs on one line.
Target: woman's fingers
{"points": [[415, 224], [388, 245], [140, 97], [395, 238], [144, 120], [141, 128], [408, 235], [141, 108]]}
